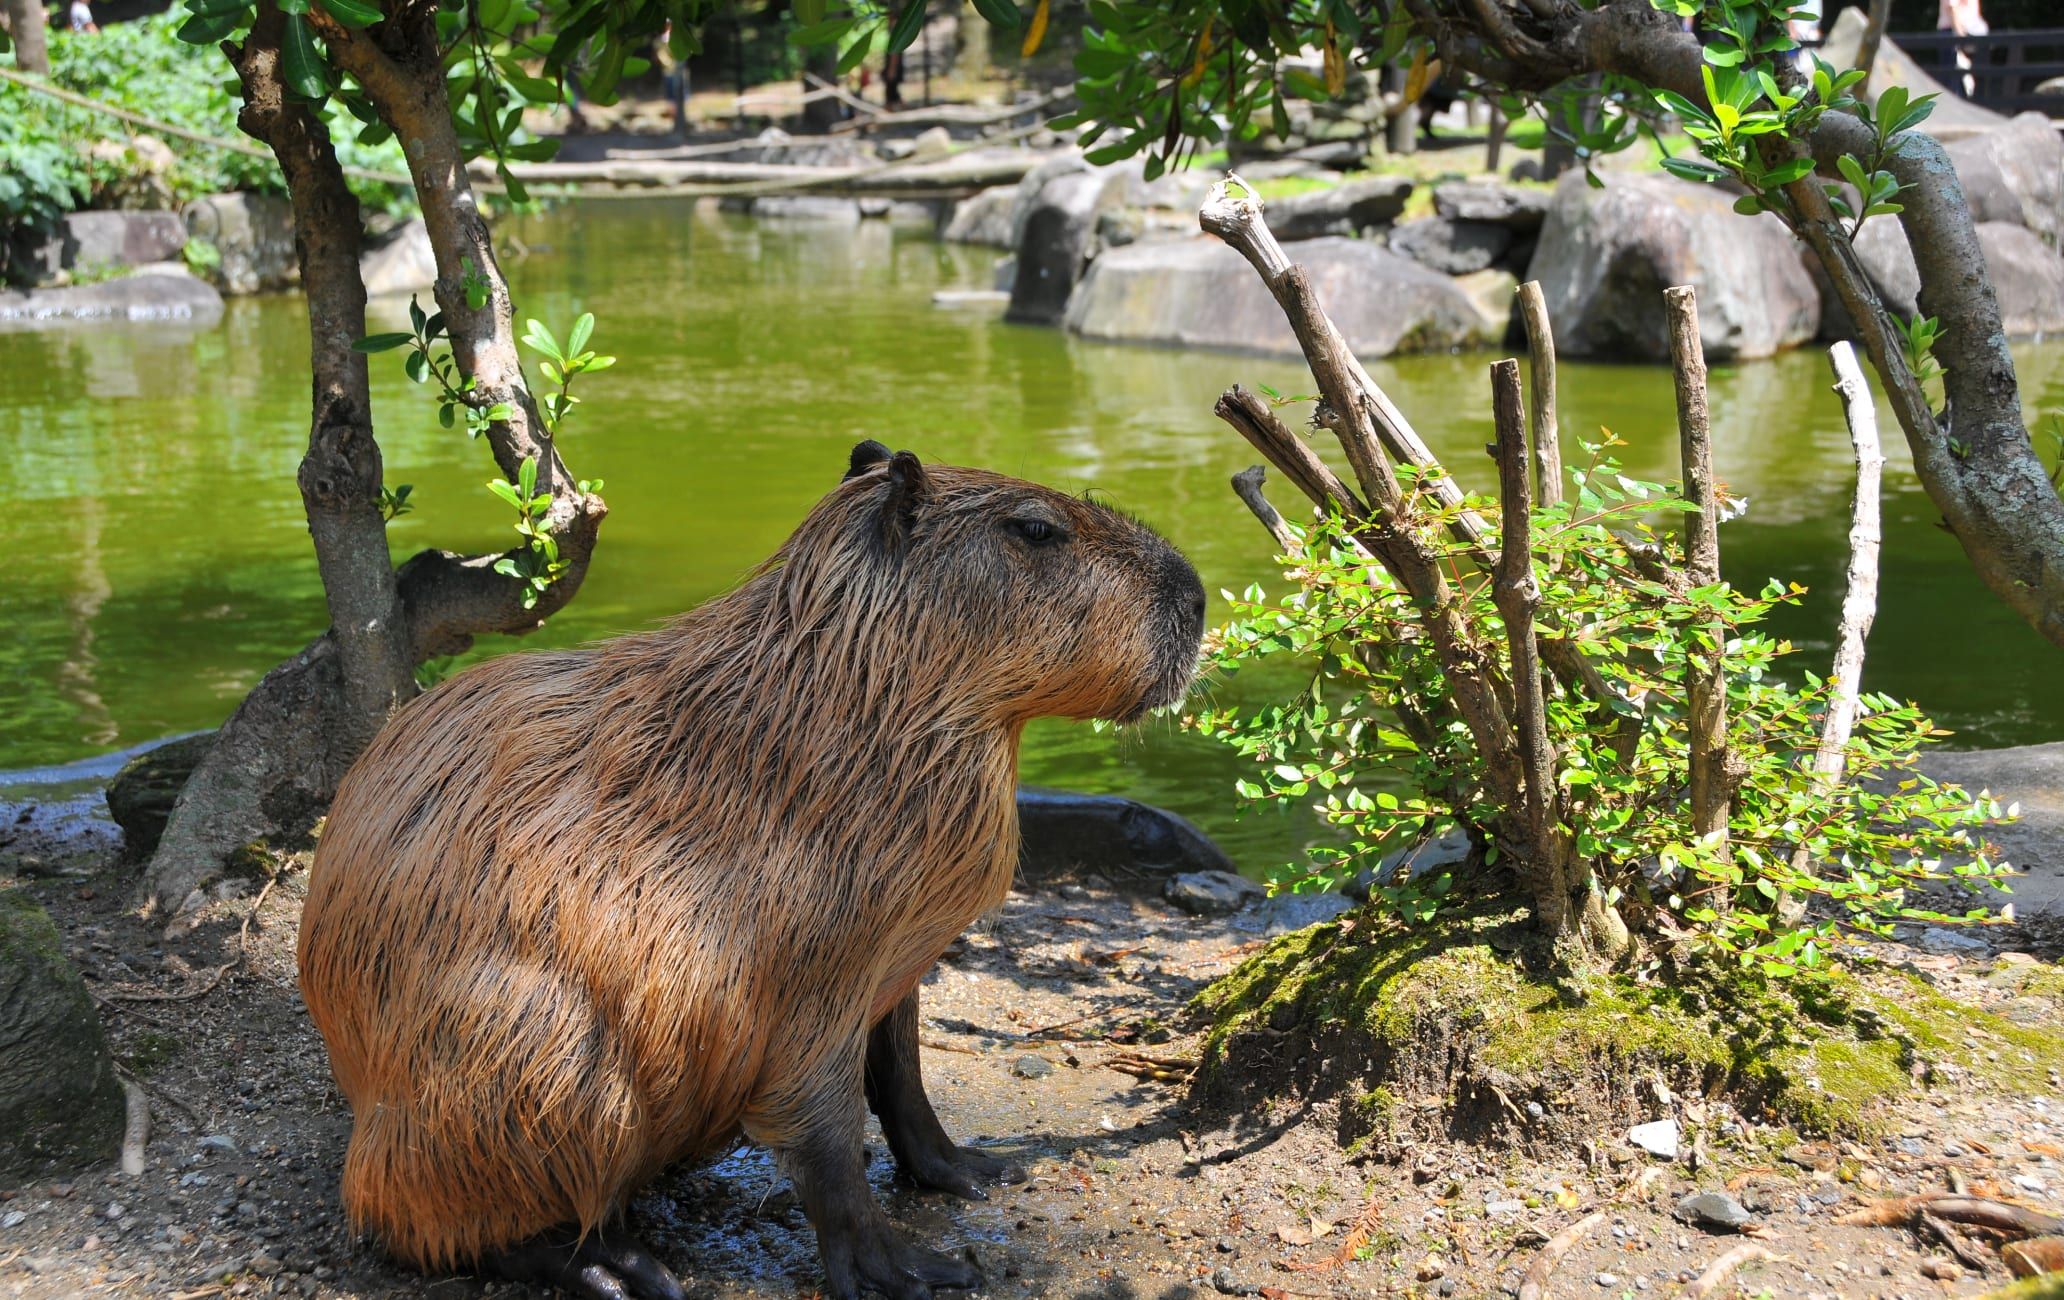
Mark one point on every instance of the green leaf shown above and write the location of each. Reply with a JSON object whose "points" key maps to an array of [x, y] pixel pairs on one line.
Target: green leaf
{"points": [[302, 67], [503, 489], [381, 342], [207, 30], [582, 328], [1748, 205], [1000, 14], [908, 24], [1694, 169], [856, 53], [1786, 172]]}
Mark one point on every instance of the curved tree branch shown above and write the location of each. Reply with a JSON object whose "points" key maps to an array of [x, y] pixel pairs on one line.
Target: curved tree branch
{"points": [[451, 598], [1981, 470]]}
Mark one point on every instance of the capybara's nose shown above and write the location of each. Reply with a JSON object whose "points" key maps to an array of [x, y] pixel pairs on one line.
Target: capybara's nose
{"points": [[1186, 591]]}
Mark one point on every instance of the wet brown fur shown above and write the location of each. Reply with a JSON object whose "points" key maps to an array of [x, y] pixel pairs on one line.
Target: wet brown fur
{"points": [[579, 915]]}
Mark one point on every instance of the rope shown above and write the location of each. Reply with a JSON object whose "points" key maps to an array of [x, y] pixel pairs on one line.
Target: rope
{"points": [[156, 127]]}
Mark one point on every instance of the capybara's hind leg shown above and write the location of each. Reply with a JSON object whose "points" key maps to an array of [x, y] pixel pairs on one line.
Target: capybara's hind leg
{"points": [[860, 1249], [895, 1092], [608, 1264]]}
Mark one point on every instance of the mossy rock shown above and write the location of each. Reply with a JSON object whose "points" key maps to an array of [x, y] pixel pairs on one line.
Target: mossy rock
{"points": [[141, 796], [1466, 1029], [61, 1107], [2047, 1286]]}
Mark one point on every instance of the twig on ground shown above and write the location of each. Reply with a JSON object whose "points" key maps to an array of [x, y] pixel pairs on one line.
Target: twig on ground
{"points": [[939, 1044], [1723, 1268], [1535, 1284], [1154, 1069], [137, 1131], [214, 977], [1978, 1211], [1971, 1257]]}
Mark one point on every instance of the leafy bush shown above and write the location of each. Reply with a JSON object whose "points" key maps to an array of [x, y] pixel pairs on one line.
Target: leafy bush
{"points": [[1347, 740], [142, 66]]}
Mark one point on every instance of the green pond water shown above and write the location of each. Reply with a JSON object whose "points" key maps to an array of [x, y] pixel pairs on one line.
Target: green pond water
{"points": [[158, 563]]}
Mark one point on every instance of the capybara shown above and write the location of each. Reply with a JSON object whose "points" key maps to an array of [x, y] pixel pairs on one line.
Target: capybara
{"points": [[579, 915]]}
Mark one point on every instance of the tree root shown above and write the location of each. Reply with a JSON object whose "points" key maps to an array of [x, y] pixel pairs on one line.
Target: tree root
{"points": [[1723, 1268], [1535, 1284], [1977, 1211]]}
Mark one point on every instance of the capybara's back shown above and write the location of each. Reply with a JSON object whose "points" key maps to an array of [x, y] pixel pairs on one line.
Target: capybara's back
{"points": [[577, 915]]}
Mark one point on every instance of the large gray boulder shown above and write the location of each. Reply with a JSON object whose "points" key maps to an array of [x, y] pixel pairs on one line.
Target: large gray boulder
{"points": [[983, 218], [2033, 777], [1345, 209], [1519, 208], [1451, 247], [253, 238], [2026, 273], [1053, 222], [403, 263], [165, 291], [1200, 293], [2028, 276], [1606, 255], [61, 1107], [2015, 173], [104, 239]]}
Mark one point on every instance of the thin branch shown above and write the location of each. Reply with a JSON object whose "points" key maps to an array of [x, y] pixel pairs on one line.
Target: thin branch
{"points": [[1259, 424], [1860, 600], [1247, 486], [1721, 1269], [1535, 1284]]}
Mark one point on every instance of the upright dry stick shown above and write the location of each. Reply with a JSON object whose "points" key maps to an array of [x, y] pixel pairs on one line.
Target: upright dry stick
{"points": [[1518, 596], [1860, 600], [1547, 437], [1707, 684], [1247, 486]]}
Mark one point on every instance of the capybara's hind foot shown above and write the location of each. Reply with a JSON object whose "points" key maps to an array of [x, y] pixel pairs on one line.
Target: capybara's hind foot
{"points": [[957, 1169], [608, 1264], [875, 1257]]}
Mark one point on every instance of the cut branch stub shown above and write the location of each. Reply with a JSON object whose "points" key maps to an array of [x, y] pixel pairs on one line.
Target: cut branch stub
{"points": [[1547, 437], [1247, 486]]}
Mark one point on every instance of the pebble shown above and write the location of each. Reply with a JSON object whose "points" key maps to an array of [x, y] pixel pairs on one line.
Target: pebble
{"points": [[219, 1142], [1606, 1279], [2028, 1182], [1911, 1146], [1658, 1138], [265, 1264], [1223, 1281], [1641, 1283], [1505, 1207], [1713, 1210], [14, 1219]]}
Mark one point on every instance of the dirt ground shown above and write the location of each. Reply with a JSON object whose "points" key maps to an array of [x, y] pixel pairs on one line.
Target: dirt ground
{"points": [[1130, 1193]]}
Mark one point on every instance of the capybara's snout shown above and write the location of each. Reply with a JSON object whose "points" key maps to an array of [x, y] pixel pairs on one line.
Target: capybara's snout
{"points": [[1179, 600]]}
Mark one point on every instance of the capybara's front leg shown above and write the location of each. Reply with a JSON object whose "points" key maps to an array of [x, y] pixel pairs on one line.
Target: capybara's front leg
{"points": [[607, 1264], [895, 1092], [859, 1247]]}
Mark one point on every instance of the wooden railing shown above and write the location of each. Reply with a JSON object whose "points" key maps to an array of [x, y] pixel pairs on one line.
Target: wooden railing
{"points": [[2005, 67]]}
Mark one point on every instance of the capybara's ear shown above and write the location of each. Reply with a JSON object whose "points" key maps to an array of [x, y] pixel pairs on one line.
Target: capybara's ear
{"points": [[908, 487], [866, 456]]}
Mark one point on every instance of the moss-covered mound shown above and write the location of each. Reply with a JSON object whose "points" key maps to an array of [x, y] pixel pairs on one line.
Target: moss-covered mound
{"points": [[1465, 1029]]}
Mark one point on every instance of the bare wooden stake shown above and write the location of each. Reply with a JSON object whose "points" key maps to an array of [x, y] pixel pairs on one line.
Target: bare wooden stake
{"points": [[1247, 485], [1547, 437], [1707, 684], [1518, 596], [1860, 600]]}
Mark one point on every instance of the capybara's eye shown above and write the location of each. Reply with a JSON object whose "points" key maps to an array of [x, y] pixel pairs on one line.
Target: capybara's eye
{"points": [[1035, 532]]}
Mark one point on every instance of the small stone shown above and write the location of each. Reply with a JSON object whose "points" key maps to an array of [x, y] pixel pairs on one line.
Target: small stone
{"points": [[1606, 1279], [264, 1264], [1952, 1150], [116, 1210], [1938, 940], [1911, 1146], [1534, 1111], [1032, 1067], [2028, 1182], [1712, 1210], [1641, 1283], [1941, 1270], [219, 1142], [1658, 1138], [1432, 1268], [1210, 893], [1505, 1207], [1447, 1286], [1223, 1281], [13, 1219]]}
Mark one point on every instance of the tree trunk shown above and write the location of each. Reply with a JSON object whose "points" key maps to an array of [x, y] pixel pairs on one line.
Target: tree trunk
{"points": [[278, 759], [280, 755], [28, 21], [822, 113]]}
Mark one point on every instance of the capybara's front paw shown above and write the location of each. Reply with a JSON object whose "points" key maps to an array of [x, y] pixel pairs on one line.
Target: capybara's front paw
{"points": [[607, 1264], [877, 1258], [961, 1171]]}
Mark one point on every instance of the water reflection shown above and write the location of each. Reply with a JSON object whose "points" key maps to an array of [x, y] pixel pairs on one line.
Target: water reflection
{"points": [[159, 561]]}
